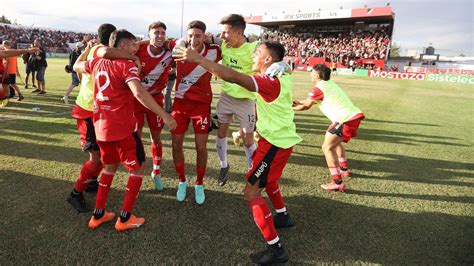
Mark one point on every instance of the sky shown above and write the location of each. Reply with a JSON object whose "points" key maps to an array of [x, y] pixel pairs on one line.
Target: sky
{"points": [[447, 25]]}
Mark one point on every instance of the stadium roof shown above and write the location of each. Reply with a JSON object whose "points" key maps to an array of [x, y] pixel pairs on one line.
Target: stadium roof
{"points": [[384, 13]]}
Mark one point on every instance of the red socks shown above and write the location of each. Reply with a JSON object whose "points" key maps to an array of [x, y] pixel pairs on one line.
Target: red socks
{"points": [[342, 162], [179, 166], [201, 172], [156, 154], [180, 170], [274, 194], [335, 173], [89, 169], [104, 187], [131, 194], [263, 218]]}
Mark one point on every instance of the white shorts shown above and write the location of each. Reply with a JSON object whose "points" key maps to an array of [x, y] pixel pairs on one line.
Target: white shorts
{"points": [[243, 109]]}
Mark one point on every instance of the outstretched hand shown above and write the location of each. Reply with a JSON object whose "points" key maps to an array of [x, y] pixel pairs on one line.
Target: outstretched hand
{"points": [[302, 105], [278, 69], [170, 122], [181, 54], [296, 103], [298, 106], [32, 50]]}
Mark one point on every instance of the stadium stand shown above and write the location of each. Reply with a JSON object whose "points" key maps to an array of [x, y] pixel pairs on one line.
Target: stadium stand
{"points": [[55, 41], [357, 37], [334, 47]]}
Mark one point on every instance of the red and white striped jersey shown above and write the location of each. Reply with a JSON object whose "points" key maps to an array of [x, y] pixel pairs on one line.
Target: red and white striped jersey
{"points": [[155, 68], [193, 82]]}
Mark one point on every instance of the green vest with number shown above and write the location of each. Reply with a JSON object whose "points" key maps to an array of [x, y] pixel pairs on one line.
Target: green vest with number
{"points": [[275, 120], [240, 60]]}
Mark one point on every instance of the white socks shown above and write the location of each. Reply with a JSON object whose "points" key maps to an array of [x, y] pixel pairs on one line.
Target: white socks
{"points": [[221, 147], [248, 154]]}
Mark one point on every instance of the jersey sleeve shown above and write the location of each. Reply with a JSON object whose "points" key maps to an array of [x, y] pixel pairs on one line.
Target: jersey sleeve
{"points": [[316, 94], [130, 71], [142, 47], [267, 87], [90, 65], [171, 43]]}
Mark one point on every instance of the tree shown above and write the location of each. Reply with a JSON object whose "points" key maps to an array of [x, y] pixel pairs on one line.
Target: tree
{"points": [[395, 50], [3, 19]]}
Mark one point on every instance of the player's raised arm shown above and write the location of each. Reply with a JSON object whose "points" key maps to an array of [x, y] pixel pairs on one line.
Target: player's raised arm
{"points": [[302, 105], [115, 53], [79, 65], [223, 72], [16, 52], [145, 98]]}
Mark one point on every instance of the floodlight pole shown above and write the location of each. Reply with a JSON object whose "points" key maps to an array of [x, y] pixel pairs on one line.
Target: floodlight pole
{"points": [[182, 15]]}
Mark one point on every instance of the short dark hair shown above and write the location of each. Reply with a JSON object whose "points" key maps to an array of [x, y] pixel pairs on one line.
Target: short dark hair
{"points": [[277, 50], [323, 71], [119, 35], [197, 24], [104, 32], [156, 25], [234, 20]]}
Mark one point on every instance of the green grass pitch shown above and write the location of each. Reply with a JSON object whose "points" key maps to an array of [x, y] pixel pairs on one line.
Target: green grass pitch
{"points": [[410, 200]]}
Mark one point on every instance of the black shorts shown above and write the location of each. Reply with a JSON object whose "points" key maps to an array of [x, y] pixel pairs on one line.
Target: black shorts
{"points": [[9, 79], [87, 132], [30, 69], [334, 69]]}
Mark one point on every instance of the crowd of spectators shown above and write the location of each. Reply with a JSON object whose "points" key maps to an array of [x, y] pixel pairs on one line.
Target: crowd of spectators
{"points": [[334, 47], [54, 41], [303, 43]]}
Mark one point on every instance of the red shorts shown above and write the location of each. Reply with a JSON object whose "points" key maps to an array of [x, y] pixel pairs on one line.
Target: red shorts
{"points": [[85, 126], [3, 93], [198, 113], [268, 162], [128, 151], [345, 130], [154, 121]]}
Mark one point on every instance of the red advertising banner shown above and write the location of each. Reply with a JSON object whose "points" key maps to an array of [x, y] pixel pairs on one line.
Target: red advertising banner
{"points": [[371, 12], [377, 63]]}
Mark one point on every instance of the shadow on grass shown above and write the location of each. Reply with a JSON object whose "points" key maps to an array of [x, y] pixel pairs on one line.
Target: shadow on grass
{"points": [[40, 222], [320, 124], [418, 170], [26, 135], [37, 151], [405, 138], [371, 120], [25, 108], [42, 126], [460, 199]]}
